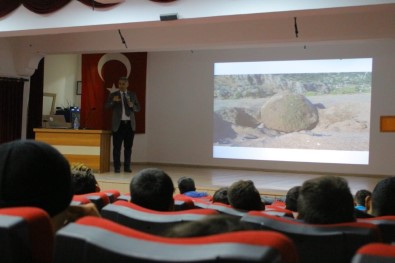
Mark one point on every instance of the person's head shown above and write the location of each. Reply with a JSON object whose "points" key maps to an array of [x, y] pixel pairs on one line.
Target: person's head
{"points": [[152, 188], [221, 196], [291, 199], [243, 195], [186, 184], [123, 83], [209, 225], [83, 180], [362, 196], [33, 173], [383, 197], [326, 200]]}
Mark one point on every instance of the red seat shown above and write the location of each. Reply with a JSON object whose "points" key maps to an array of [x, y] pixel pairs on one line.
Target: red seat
{"points": [[227, 209], [277, 211], [100, 199], [26, 235], [93, 239], [386, 224], [318, 243], [112, 194], [79, 200], [148, 220], [375, 253]]}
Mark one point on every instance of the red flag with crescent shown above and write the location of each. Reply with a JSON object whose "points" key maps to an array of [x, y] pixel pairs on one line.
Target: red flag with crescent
{"points": [[100, 74]]}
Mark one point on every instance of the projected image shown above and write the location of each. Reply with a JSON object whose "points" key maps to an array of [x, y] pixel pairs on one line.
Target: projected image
{"points": [[307, 110]]}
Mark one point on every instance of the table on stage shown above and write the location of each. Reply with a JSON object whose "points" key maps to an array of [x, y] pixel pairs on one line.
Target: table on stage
{"points": [[91, 147]]}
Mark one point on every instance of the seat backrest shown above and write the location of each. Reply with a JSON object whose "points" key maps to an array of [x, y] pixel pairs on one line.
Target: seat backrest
{"points": [[93, 239], [148, 220], [100, 199], [196, 202], [79, 200], [386, 224], [26, 235], [328, 243], [374, 253], [112, 194], [227, 209]]}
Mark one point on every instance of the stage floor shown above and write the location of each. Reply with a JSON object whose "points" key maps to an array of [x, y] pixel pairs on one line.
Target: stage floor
{"points": [[209, 179]]}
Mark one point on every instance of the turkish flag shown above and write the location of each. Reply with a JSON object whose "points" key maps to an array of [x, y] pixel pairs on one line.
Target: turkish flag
{"points": [[100, 75]]}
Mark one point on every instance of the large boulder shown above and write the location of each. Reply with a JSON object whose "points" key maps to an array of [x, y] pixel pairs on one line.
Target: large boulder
{"points": [[289, 113]]}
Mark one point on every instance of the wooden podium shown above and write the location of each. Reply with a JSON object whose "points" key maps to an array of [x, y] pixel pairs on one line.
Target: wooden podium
{"points": [[91, 147]]}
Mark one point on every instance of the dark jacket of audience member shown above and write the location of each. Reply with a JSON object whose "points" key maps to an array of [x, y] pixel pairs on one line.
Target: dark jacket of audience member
{"points": [[152, 188], [383, 197], [326, 200], [221, 196], [243, 195]]}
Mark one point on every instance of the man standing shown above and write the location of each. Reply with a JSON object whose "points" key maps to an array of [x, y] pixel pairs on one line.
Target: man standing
{"points": [[123, 104]]}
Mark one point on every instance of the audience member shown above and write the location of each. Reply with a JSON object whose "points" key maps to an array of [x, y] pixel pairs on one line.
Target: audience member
{"points": [[243, 195], [221, 196], [362, 200], [187, 187], [326, 200], [83, 180], [291, 199], [210, 225], [35, 174], [383, 197], [152, 188]]}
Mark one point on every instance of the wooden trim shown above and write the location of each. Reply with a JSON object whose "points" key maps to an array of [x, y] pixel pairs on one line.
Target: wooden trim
{"points": [[387, 123]]}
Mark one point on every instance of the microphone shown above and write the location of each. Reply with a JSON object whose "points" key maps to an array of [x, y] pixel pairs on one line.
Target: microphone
{"points": [[89, 117]]}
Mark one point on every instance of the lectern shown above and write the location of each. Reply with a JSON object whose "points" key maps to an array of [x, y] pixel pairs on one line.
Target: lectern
{"points": [[91, 147]]}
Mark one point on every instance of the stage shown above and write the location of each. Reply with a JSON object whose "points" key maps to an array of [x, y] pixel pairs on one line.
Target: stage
{"points": [[209, 179]]}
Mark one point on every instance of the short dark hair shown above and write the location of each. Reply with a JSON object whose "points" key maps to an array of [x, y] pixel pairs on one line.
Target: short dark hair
{"points": [[221, 195], [291, 199], [123, 79], [152, 188], [243, 195], [186, 184], [326, 200], [360, 196], [82, 179], [383, 197], [34, 173]]}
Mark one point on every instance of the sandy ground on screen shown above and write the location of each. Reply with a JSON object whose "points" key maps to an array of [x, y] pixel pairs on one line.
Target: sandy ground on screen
{"points": [[344, 124]]}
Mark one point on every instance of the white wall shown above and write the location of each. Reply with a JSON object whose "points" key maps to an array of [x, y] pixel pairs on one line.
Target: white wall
{"points": [[180, 105], [61, 73]]}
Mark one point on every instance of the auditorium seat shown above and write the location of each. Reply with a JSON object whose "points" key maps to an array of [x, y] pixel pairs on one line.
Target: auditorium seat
{"points": [[328, 243], [79, 200], [93, 239], [226, 209], [197, 202], [100, 199], [112, 194], [277, 211], [26, 235], [124, 197], [148, 220], [386, 224], [375, 253]]}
